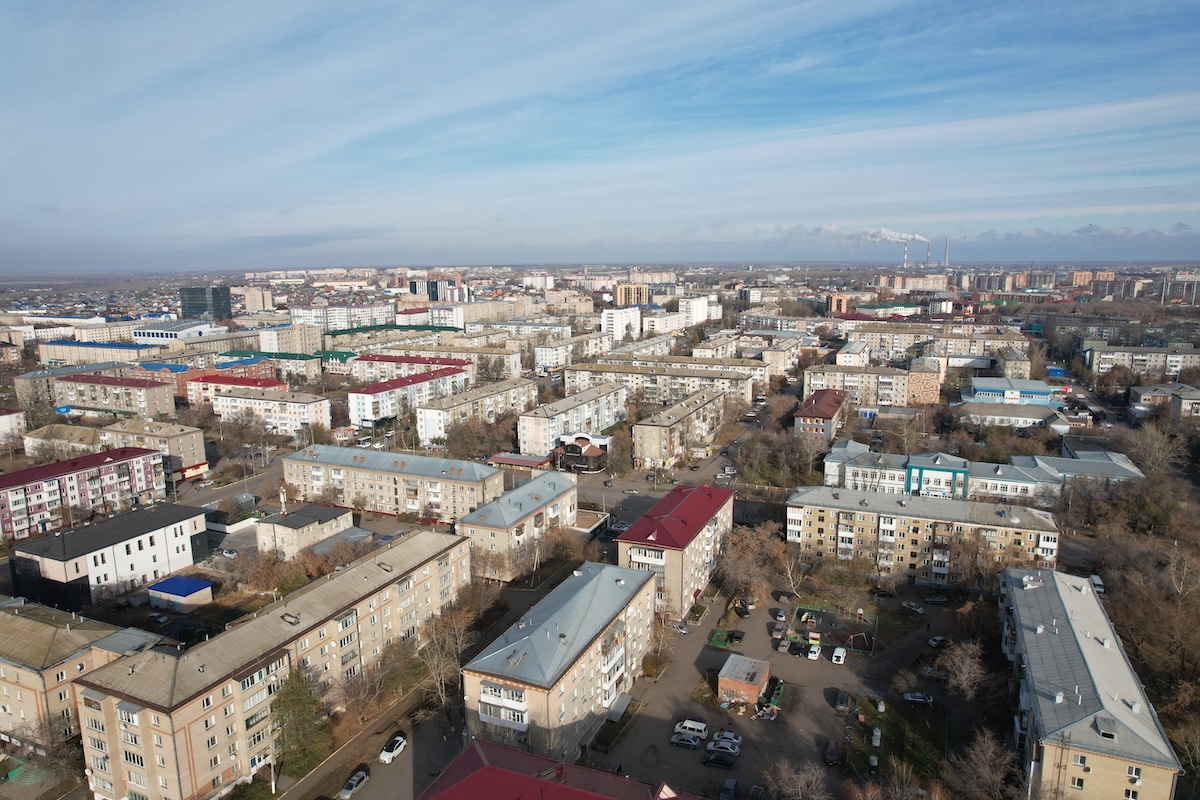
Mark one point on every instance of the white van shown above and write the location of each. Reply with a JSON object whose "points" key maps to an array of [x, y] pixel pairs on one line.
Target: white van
{"points": [[1097, 584], [839, 655], [694, 727]]}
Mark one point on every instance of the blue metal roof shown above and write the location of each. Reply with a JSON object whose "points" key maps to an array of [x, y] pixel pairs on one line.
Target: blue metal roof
{"points": [[180, 586]]}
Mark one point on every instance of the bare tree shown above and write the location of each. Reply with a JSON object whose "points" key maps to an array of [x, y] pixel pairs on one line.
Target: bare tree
{"points": [[1155, 449], [49, 748], [795, 569], [983, 770], [749, 558], [490, 369], [904, 681], [962, 664], [444, 639], [786, 780], [899, 782]]}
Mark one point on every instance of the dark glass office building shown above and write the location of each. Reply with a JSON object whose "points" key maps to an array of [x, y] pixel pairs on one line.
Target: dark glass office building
{"points": [[205, 302]]}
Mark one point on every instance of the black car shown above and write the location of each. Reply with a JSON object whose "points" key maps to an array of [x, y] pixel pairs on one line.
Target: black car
{"points": [[736, 637], [694, 468], [719, 760], [832, 753], [741, 611], [881, 592], [937, 600]]}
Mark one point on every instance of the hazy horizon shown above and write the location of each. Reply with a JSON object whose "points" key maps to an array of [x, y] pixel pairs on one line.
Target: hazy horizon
{"points": [[220, 136]]}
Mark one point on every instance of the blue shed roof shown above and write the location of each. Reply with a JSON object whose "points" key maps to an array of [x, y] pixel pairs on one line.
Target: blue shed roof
{"points": [[180, 586]]}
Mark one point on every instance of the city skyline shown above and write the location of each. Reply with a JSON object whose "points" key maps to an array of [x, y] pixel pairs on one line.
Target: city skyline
{"points": [[302, 134]]}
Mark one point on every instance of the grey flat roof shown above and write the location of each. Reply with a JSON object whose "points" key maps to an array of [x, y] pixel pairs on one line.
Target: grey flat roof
{"points": [[1069, 646], [1019, 384], [305, 515], [165, 680], [77, 542], [400, 463], [581, 607], [36, 636], [478, 393], [1001, 515]]}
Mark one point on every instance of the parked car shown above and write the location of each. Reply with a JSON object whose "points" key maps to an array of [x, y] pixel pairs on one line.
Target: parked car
{"points": [[727, 736], [393, 748], [842, 702], [938, 642], [741, 611], [937, 600], [608, 484], [722, 746], [160, 618], [729, 790], [736, 637], [918, 697], [839, 655], [833, 753], [777, 632], [814, 652], [354, 783], [694, 467], [206, 484], [780, 615], [678, 627], [879, 591], [719, 760], [756, 793], [913, 607], [629, 491], [229, 552], [685, 740], [930, 671]]}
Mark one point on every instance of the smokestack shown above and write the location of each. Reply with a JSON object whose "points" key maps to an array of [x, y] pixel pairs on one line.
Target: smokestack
{"points": [[947, 252], [905, 265], [928, 253]]}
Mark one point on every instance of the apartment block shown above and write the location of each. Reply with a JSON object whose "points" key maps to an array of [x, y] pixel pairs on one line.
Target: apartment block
{"points": [[193, 723], [721, 347], [854, 354], [302, 367], [393, 483], [631, 294], [43, 651], [488, 403], [870, 386], [380, 403], [556, 355], [592, 410], [923, 540], [90, 395], [757, 370], [105, 332], [72, 352], [659, 384], [651, 346], [621, 323], [299, 529], [678, 540], [178, 375], [12, 425], [676, 434], [373, 367], [489, 362], [663, 323], [1083, 724], [205, 388], [280, 412], [343, 317], [505, 532], [294, 338], [86, 565], [548, 682], [544, 329], [695, 310], [41, 499], [182, 446], [1149, 361]]}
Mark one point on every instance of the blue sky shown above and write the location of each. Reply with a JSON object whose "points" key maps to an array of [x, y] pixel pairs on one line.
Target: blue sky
{"points": [[251, 135]]}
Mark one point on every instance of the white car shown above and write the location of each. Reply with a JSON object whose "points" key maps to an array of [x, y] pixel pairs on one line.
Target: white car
{"points": [[913, 607], [678, 627], [393, 748], [161, 619], [723, 746], [814, 652], [839, 655]]}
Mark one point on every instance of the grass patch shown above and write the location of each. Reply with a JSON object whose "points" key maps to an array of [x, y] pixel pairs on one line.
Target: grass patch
{"points": [[255, 790], [913, 734], [894, 625]]}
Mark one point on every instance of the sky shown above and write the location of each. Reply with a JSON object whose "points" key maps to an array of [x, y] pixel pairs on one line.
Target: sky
{"points": [[233, 135]]}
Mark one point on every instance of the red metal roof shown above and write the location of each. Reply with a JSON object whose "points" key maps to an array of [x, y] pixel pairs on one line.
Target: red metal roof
{"points": [[59, 468], [676, 519], [823, 403], [424, 310], [107, 380], [396, 383], [228, 380], [445, 362], [486, 769]]}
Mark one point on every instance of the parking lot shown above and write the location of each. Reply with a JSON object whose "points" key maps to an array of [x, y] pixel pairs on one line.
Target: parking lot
{"points": [[801, 732]]}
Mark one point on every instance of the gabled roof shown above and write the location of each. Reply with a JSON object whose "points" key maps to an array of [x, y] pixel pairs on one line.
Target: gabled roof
{"points": [[304, 516], [60, 468], [1081, 679], [77, 542], [520, 503], [400, 463], [486, 769], [409, 380], [539, 648], [676, 519], [36, 637], [823, 403]]}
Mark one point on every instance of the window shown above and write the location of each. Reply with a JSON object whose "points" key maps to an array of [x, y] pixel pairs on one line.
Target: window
{"points": [[1080, 761], [59, 677], [206, 703], [100, 763], [133, 758], [128, 717], [212, 742], [1131, 794], [1076, 783], [214, 761], [1134, 772]]}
